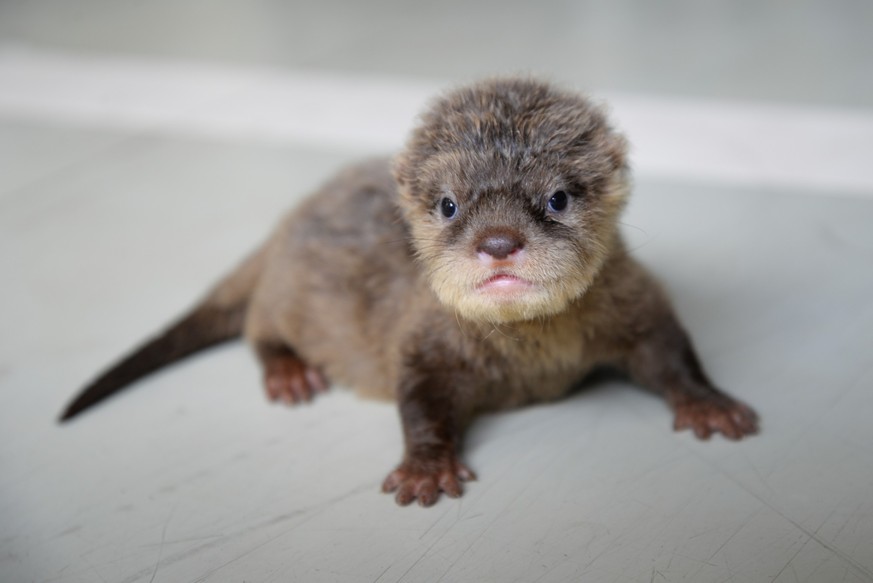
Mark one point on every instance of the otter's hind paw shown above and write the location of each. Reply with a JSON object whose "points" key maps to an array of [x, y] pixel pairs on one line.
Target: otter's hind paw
{"points": [[290, 380]]}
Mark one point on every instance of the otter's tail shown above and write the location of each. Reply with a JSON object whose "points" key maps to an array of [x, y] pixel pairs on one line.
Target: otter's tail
{"points": [[217, 318]]}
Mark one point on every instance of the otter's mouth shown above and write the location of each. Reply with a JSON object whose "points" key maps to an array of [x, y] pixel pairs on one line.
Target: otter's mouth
{"points": [[504, 283]]}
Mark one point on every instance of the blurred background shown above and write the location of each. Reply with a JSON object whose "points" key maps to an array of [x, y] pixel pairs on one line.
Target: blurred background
{"points": [[145, 146], [802, 52]]}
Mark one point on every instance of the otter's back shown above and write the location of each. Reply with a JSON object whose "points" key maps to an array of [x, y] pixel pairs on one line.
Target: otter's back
{"points": [[340, 277]]}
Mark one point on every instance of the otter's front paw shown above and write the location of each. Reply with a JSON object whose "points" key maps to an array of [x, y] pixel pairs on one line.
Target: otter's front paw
{"points": [[424, 479], [716, 412]]}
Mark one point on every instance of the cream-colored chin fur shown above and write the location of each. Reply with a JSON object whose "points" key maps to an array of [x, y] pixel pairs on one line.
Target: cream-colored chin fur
{"points": [[537, 302]]}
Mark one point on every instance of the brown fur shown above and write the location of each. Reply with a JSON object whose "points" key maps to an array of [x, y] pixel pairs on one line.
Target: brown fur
{"points": [[369, 284]]}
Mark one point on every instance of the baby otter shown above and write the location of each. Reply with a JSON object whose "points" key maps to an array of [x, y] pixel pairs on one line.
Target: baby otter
{"points": [[481, 269]]}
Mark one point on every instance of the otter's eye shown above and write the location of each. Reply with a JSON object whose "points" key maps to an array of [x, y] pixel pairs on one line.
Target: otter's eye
{"points": [[448, 207], [558, 202]]}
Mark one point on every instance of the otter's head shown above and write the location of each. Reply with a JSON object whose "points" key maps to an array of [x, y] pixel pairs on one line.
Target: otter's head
{"points": [[512, 191]]}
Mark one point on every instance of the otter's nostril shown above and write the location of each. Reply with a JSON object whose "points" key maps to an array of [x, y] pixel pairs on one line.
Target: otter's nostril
{"points": [[499, 246]]}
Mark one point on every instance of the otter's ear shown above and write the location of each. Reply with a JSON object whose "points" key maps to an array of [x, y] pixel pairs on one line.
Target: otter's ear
{"points": [[610, 143], [400, 169], [617, 149]]}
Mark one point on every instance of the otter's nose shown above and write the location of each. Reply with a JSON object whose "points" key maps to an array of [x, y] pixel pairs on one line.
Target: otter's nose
{"points": [[500, 245]]}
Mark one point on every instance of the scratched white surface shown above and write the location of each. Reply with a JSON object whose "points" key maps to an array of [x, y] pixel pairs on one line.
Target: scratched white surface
{"points": [[106, 232], [192, 476]]}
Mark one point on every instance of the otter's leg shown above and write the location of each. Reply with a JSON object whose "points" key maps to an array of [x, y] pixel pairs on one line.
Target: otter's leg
{"points": [[664, 360], [433, 414], [287, 378]]}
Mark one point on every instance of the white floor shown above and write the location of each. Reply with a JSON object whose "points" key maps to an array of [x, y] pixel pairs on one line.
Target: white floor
{"points": [[134, 171]]}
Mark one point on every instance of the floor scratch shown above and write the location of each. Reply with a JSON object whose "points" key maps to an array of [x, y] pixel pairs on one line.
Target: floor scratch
{"points": [[163, 542], [855, 566]]}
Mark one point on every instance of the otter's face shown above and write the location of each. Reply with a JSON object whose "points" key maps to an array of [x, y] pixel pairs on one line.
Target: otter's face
{"points": [[512, 192]]}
